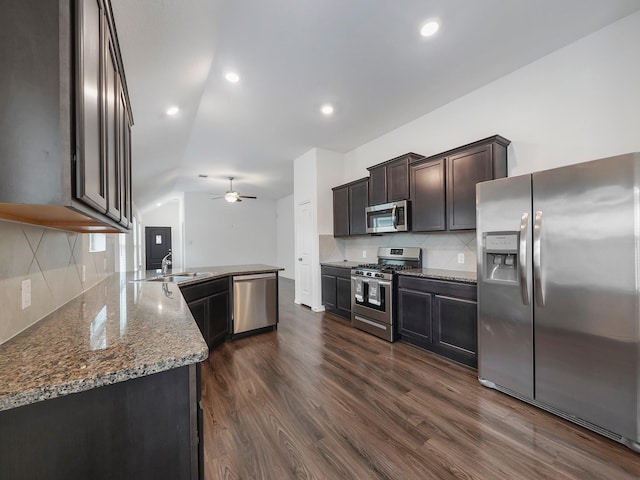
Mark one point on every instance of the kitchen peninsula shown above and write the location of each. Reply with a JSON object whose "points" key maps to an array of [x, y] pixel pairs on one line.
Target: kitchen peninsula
{"points": [[118, 367]]}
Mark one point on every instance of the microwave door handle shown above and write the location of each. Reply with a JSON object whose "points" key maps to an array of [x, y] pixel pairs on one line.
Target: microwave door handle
{"points": [[394, 215]]}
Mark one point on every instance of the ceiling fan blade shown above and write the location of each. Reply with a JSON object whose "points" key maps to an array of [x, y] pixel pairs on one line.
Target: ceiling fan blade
{"points": [[217, 198], [246, 196]]}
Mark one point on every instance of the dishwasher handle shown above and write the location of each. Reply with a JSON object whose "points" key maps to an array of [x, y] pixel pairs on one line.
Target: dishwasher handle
{"points": [[257, 276]]}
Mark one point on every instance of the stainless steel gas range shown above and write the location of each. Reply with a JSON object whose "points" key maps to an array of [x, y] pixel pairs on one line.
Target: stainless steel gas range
{"points": [[372, 308]]}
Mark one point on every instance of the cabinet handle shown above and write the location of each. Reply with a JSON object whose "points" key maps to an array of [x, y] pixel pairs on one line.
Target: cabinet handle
{"points": [[299, 259]]}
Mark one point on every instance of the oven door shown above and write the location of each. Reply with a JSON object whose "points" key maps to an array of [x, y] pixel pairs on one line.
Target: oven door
{"points": [[382, 312]]}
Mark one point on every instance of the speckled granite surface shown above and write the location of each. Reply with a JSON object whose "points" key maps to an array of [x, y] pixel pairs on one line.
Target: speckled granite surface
{"points": [[118, 330], [340, 264], [458, 276]]}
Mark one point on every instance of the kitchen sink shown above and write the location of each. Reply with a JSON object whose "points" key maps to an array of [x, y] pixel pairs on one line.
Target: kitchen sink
{"points": [[176, 277]]}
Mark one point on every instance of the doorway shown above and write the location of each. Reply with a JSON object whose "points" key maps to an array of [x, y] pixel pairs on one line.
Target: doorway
{"points": [[158, 244]]}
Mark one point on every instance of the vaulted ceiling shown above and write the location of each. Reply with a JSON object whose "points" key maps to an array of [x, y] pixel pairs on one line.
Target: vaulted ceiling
{"points": [[365, 57]]}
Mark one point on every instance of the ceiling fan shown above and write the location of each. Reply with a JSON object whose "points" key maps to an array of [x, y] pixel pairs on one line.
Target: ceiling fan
{"points": [[231, 195]]}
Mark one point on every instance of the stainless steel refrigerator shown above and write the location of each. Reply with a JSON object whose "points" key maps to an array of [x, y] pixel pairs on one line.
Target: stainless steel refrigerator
{"points": [[559, 292]]}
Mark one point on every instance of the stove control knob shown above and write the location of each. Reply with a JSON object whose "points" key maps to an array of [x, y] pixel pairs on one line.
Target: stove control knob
{"points": [[368, 274], [358, 272], [379, 275]]}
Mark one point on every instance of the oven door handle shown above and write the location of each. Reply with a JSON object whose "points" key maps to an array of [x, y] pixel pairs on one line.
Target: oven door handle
{"points": [[380, 282]]}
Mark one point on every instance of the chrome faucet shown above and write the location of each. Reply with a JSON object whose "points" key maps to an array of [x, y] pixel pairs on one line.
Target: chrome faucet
{"points": [[165, 263]]}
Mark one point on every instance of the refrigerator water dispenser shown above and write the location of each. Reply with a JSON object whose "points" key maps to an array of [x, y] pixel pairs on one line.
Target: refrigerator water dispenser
{"points": [[501, 256]]}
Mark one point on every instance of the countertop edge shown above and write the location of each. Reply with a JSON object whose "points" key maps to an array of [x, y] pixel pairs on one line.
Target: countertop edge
{"points": [[28, 394], [447, 275]]}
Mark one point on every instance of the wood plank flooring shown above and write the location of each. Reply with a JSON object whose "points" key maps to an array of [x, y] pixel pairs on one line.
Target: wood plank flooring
{"points": [[320, 400]]}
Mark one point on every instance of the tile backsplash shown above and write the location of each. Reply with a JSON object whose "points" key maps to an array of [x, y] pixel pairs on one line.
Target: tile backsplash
{"points": [[53, 260], [439, 250]]}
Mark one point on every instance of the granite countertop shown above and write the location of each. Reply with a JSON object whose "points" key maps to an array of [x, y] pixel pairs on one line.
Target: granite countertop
{"points": [[344, 264], [118, 330], [455, 275]]}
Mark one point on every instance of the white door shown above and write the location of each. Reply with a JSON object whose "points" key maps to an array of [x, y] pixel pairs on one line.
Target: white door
{"points": [[303, 259]]}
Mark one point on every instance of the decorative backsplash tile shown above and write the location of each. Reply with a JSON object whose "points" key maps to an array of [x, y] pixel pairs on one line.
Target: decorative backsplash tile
{"points": [[439, 250], [53, 260]]}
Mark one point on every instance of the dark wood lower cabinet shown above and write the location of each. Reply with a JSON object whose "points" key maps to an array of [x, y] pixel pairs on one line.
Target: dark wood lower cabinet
{"points": [[209, 303], [144, 428], [336, 290], [440, 316]]}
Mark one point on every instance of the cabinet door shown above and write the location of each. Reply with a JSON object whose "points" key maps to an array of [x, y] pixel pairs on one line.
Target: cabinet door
{"points": [[124, 157], [455, 331], [398, 180], [111, 104], [464, 170], [428, 196], [414, 315], [329, 299], [341, 212], [200, 311], [218, 318], [343, 296], [91, 182], [377, 185], [358, 197]]}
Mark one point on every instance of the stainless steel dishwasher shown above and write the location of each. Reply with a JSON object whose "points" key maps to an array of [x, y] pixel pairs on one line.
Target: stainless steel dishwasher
{"points": [[255, 302]]}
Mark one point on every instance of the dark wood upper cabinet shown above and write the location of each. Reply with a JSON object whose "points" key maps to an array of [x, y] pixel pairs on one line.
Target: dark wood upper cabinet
{"points": [[377, 185], [341, 211], [349, 202], [467, 166], [358, 198], [389, 181], [427, 182], [68, 161], [443, 186]]}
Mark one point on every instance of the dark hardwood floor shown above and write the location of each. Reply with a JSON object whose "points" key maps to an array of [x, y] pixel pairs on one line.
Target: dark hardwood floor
{"points": [[320, 400]]}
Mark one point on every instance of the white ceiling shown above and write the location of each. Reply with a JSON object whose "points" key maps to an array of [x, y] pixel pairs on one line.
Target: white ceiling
{"points": [[366, 57]]}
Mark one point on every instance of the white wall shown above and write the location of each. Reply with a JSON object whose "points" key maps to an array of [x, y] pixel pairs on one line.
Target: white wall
{"points": [[285, 237], [577, 104], [168, 214], [329, 173], [221, 233]]}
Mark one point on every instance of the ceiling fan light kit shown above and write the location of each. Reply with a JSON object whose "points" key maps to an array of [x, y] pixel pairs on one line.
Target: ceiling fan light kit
{"points": [[231, 195]]}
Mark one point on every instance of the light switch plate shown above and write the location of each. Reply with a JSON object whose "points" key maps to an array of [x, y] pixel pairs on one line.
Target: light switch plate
{"points": [[364, 254], [26, 293], [461, 258], [84, 273]]}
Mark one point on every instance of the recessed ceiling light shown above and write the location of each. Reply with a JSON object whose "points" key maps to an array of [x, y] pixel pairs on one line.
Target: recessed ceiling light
{"points": [[158, 204], [327, 109], [429, 28], [171, 111], [232, 77]]}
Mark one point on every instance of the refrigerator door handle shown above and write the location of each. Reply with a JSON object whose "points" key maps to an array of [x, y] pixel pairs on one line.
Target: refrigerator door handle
{"points": [[537, 268], [522, 258]]}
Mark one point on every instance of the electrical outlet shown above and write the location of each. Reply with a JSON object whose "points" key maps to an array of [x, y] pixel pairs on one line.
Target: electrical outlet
{"points": [[364, 254], [84, 273], [26, 293], [461, 258]]}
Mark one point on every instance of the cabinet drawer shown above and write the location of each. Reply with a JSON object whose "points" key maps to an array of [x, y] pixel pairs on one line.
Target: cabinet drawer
{"points": [[336, 271], [439, 287], [204, 289]]}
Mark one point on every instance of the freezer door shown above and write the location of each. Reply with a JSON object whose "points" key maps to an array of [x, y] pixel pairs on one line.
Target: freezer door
{"points": [[586, 307], [505, 328]]}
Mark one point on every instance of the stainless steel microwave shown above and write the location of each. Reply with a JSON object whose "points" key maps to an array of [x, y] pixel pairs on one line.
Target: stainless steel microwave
{"points": [[388, 217]]}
